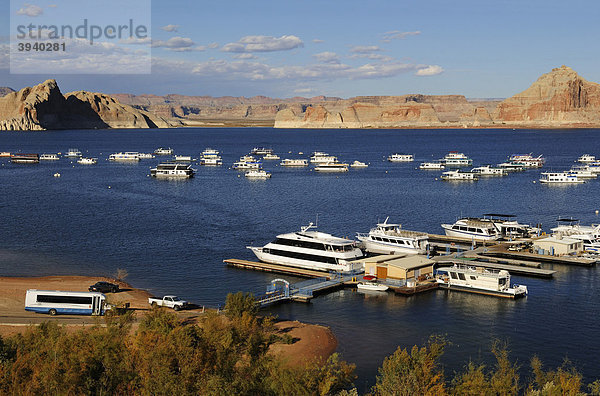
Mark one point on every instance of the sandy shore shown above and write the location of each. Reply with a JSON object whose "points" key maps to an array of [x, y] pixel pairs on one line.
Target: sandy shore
{"points": [[310, 341]]}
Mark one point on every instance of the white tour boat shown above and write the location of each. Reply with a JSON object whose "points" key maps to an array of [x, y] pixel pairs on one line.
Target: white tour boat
{"points": [[397, 157], [257, 174], [455, 175], [586, 158], [480, 280], [72, 153], [487, 170], [388, 238], [432, 165], [371, 286], [49, 157], [163, 151], [145, 155], [358, 164], [473, 228], [172, 170], [87, 161], [294, 162], [560, 178], [124, 157], [332, 167], [311, 249], [319, 157]]}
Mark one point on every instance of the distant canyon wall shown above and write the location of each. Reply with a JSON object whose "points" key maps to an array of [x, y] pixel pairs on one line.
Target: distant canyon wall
{"points": [[560, 98]]}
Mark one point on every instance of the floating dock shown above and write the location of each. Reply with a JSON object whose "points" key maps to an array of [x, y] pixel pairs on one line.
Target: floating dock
{"points": [[580, 261], [277, 268], [512, 269]]}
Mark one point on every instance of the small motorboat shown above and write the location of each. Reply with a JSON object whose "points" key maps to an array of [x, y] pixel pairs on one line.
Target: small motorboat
{"points": [[372, 286]]}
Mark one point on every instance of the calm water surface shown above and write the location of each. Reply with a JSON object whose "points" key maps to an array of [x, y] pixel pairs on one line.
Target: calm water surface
{"points": [[172, 236]]}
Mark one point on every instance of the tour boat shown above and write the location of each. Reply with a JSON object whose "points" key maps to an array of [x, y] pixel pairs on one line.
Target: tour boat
{"points": [[311, 249], [72, 153], [458, 175], [49, 157], [432, 165], [396, 157], [294, 162], [163, 151], [332, 167], [87, 161], [473, 228], [389, 238], [257, 174], [145, 155], [124, 157], [479, 280], [172, 170], [358, 164], [560, 178]]}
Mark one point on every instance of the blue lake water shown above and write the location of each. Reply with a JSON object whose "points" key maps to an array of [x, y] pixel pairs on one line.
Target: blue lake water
{"points": [[172, 236]]}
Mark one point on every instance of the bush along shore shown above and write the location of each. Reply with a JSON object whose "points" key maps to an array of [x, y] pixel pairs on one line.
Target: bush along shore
{"points": [[228, 354]]}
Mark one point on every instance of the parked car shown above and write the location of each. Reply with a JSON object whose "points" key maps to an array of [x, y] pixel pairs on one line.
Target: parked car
{"points": [[168, 301], [104, 287]]}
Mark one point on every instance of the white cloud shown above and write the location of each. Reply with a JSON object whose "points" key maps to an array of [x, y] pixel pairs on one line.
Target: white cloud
{"points": [[213, 45], [318, 41], [327, 57], [245, 56], [264, 44], [304, 90], [398, 35], [365, 49], [30, 10], [52, 6], [430, 70], [178, 44], [379, 57], [170, 28], [136, 41]]}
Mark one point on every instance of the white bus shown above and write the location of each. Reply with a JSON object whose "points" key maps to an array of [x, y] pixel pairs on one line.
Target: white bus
{"points": [[65, 302]]}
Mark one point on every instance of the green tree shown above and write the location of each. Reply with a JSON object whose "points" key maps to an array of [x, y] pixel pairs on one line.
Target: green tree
{"points": [[238, 303], [566, 380], [504, 379], [413, 373], [472, 382]]}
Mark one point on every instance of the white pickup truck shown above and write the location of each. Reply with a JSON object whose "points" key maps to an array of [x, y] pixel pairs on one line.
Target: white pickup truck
{"points": [[168, 301]]}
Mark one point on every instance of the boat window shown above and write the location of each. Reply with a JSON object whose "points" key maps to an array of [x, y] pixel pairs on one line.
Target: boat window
{"points": [[461, 276], [455, 227], [453, 275], [479, 231], [473, 277], [472, 229], [502, 281], [304, 256]]}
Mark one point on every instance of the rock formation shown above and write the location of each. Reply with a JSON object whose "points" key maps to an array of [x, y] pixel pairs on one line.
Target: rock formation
{"points": [[558, 98], [44, 107], [5, 91]]}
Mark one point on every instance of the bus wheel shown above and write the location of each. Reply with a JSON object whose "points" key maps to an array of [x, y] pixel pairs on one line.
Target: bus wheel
{"points": [[52, 312]]}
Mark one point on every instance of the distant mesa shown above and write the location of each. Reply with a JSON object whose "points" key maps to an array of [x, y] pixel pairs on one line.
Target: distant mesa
{"points": [[560, 98]]}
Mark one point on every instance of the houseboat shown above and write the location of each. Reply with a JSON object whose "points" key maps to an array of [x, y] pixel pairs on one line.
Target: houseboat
{"points": [[332, 167], [456, 159], [163, 151], [319, 157], [49, 157], [72, 153], [479, 280], [24, 158], [124, 157], [456, 175], [397, 157], [294, 162], [87, 161], [487, 170], [586, 158], [432, 165], [172, 170], [257, 174], [560, 178], [389, 238]]}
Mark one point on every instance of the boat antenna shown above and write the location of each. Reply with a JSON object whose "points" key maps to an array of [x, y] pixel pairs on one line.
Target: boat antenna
{"points": [[317, 221]]}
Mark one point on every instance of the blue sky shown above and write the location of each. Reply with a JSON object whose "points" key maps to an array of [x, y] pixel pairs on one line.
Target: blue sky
{"points": [[347, 48]]}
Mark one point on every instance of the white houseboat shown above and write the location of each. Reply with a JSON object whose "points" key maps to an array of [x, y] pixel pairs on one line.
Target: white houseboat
{"points": [[398, 157], [257, 174], [124, 157], [311, 249], [359, 164], [49, 157], [389, 238], [479, 280], [319, 157], [456, 175], [332, 167], [87, 161], [172, 170], [456, 159], [72, 153], [432, 165], [586, 158], [560, 178], [294, 162], [473, 228], [163, 151], [487, 170]]}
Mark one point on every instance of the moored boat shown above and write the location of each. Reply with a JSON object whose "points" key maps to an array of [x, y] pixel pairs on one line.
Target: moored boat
{"points": [[432, 165], [20, 158], [319, 157], [473, 228], [332, 167], [389, 238], [487, 170], [359, 164], [257, 174], [586, 158], [172, 170], [560, 178], [270, 157], [163, 151], [400, 157], [72, 153], [294, 162], [371, 286], [49, 157], [456, 175], [480, 280], [124, 157], [87, 161]]}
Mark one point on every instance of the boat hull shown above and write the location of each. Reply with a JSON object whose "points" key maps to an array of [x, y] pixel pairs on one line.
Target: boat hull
{"points": [[464, 234], [495, 293], [363, 286], [385, 248], [298, 263]]}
